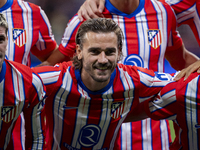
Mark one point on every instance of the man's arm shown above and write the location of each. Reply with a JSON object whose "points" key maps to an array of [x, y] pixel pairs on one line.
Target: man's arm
{"points": [[180, 58], [55, 57], [34, 115], [91, 9]]}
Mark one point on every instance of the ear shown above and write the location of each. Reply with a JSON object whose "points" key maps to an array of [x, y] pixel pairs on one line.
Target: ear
{"points": [[79, 51], [119, 55]]}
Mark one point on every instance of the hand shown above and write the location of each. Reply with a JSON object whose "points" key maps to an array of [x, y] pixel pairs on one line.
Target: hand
{"points": [[91, 9], [187, 71]]}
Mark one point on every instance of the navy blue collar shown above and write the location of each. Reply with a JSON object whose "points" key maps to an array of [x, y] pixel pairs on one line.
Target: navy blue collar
{"points": [[80, 82], [3, 71], [7, 5], [112, 9]]}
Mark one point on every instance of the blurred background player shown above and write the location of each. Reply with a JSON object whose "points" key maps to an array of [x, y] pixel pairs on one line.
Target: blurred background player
{"points": [[147, 43], [29, 31], [21, 90]]}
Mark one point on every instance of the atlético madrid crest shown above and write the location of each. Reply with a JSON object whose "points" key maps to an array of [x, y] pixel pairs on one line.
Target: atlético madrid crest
{"points": [[154, 38], [117, 109], [19, 37], [8, 113]]}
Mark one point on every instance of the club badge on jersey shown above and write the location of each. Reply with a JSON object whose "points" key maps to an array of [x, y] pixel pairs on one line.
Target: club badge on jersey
{"points": [[117, 109], [8, 113], [154, 38], [19, 37]]}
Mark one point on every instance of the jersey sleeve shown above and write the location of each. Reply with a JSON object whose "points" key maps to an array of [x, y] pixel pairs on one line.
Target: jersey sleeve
{"points": [[151, 83], [68, 44], [164, 106], [46, 42], [174, 41], [34, 122]]}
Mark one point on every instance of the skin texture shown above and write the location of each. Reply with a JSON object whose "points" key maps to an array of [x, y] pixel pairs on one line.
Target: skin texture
{"points": [[99, 58], [3, 45]]}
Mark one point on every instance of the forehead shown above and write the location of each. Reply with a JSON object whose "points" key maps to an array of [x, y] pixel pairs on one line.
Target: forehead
{"points": [[100, 39], [2, 31]]}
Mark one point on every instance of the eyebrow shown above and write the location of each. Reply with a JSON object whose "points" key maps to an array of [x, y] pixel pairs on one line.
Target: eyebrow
{"points": [[98, 48]]}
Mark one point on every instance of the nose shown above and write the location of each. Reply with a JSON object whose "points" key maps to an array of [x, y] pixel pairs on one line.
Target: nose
{"points": [[102, 58]]}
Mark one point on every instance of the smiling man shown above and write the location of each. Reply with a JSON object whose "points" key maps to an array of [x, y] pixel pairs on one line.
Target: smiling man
{"points": [[89, 98]]}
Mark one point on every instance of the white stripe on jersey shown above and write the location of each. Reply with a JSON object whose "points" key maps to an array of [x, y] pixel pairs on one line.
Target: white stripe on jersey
{"points": [[189, 13], [46, 20], [82, 116], [162, 24], [164, 135], [49, 77], [129, 90], [37, 83], [142, 28], [159, 103], [40, 43], [59, 102], [191, 113], [147, 134], [105, 117], [28, 22], [18, 88], [126, 136], [36, 119], [68, 31], [154, 81]]}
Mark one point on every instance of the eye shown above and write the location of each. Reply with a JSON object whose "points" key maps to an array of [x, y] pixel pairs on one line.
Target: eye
{"points": [[95, 51], [2, 39], [110, 52]]}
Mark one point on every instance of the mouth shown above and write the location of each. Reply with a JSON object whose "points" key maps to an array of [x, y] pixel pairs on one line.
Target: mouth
{"points": [[102, 68]]}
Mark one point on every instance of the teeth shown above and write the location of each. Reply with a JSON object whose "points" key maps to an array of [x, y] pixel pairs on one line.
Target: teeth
{"points": [[102, 68]]}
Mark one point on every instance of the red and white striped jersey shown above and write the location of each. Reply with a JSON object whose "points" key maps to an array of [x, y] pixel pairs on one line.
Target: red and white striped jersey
{"points": [[21, 91], [180, 101], [149, 32], [187, 12], [29, 30], [78, 118]]}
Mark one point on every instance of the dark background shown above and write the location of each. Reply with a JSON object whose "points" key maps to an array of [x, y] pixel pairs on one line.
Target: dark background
{"points": [[60, 12]]}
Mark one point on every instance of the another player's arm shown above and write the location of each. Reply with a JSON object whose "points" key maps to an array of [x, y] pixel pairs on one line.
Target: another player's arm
{"points": [[180, 58], [46, 44], [55, 57], [34, 121]]}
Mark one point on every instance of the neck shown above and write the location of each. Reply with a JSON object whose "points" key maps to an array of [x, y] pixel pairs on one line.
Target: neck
{"points": [[2, 3], [126, 6], [93, 85]]}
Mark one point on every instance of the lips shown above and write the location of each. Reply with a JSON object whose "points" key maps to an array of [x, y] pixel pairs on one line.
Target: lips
{"points": [[102, 67]]}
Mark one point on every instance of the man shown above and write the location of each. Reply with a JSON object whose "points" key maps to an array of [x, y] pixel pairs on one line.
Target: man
{"points": [[88, 101], [29, 31], [178, 101], [187, 12], [150, 34], [21, 90]]}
